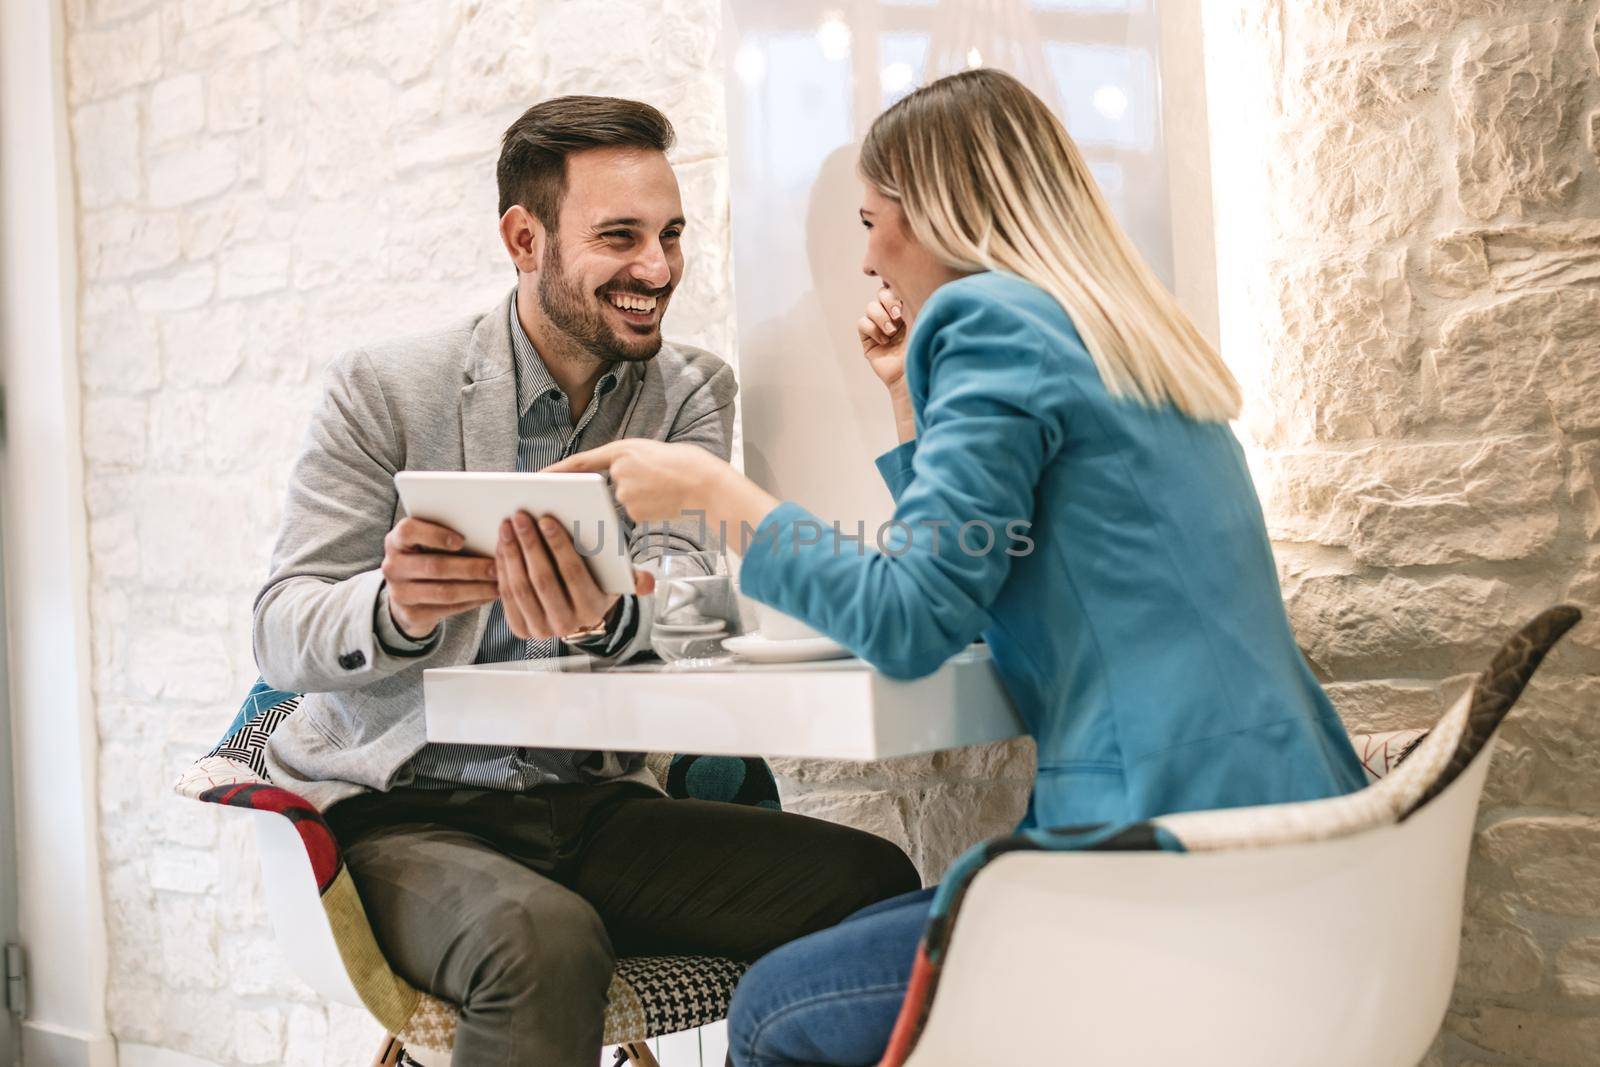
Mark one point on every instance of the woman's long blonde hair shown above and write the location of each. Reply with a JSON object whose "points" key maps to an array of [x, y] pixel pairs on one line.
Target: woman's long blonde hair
{"points": [[989, 179]]}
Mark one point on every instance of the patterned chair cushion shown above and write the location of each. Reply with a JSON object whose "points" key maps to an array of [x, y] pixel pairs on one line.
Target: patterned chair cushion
{"points": [[649, 995], [729, 779], [1382, 753]]}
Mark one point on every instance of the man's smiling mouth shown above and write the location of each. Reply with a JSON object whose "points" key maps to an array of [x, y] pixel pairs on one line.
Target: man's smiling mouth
{"points": [[632, 301], [635, 309]]}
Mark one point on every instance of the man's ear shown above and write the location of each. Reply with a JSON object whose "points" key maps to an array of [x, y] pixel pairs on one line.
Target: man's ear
{"points": [[523, 237]]}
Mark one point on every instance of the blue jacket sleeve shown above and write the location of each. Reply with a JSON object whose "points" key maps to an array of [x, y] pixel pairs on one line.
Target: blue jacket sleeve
{"points": [[988, 423], [895, 467]]}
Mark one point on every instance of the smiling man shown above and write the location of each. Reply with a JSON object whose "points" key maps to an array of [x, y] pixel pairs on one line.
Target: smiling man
{"points": [[507, 880]]}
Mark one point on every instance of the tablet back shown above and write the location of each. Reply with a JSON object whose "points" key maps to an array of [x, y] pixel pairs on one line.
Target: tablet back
{"points": [[473, 503]]}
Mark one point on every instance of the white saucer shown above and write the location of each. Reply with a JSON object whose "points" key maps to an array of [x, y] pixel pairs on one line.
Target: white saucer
{"points": [[758, 649]]}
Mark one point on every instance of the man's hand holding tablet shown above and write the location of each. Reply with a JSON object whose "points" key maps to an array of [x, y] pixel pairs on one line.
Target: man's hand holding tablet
{"points": [[428, 581], [507, 538], [545, 586]]}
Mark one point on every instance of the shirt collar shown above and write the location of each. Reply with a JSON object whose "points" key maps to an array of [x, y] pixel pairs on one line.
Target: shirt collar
{"points": [[533, 377]]}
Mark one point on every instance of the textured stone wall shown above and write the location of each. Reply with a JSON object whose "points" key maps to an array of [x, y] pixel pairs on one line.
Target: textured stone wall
{"points": [[261, 185], [932, 806], [1414, 265]]}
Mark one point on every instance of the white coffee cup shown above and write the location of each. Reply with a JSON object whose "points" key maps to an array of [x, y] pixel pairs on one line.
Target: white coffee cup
{"points": [[776, 626]]}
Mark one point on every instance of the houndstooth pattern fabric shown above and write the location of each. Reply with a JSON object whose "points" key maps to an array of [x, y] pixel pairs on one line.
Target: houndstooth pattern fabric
{"points": [[649, 996], [432, 1024], [680, 992], [625, 1019]]}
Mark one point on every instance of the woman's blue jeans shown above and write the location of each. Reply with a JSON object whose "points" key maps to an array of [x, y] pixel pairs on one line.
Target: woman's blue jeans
{"points": [[831, 997]]}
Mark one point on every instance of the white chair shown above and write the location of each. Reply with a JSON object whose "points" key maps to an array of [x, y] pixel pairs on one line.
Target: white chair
{"points": [[1322, 934], [320, 923], [299, 923]]}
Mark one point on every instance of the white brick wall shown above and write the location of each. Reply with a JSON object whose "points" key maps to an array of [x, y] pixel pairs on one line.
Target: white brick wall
{"points": [[260, 186]]}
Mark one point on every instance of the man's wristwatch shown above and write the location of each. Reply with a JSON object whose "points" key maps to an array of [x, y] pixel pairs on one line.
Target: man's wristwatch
{"points": [[600, 630]]}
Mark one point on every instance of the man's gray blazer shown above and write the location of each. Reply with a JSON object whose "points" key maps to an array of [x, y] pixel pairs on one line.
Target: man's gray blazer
{"points": [[443, 401]]}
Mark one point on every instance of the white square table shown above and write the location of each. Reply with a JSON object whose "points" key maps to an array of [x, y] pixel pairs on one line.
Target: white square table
{"points": [[835, 709]]}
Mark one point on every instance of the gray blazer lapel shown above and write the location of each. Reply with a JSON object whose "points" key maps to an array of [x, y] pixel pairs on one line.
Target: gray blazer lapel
{"points": [[489, 399], [489, 411]]}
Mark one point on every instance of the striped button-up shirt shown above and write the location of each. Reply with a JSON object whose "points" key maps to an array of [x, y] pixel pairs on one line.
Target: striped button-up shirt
{"points": [[545, 434]]}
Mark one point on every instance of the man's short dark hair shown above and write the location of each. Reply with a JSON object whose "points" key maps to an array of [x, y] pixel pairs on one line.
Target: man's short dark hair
{"points": [[533, 155]]}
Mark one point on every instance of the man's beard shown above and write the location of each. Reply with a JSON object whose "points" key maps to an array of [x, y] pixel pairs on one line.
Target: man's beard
{"points": [[578, 315]]}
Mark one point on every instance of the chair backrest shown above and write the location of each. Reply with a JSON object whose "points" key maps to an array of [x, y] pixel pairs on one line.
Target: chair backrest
{"points": [[1322, 954], [315, 911], [1159, 957]]}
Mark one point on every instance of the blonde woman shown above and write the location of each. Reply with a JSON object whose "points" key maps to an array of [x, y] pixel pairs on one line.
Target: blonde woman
{"points": [[1134, 614]]}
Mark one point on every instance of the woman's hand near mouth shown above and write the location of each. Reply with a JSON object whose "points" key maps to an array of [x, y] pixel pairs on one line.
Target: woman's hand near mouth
{"points": [[657, 481], [883, 331]]}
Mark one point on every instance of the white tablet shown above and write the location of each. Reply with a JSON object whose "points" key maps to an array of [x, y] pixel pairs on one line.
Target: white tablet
{"points": [[473, 504]]}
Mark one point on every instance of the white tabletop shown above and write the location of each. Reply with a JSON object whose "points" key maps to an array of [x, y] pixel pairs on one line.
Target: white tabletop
{"points": [[836, 709]]}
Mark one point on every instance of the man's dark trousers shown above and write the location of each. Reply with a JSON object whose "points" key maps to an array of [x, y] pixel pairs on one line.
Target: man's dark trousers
{"points": [[516, 905]]}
